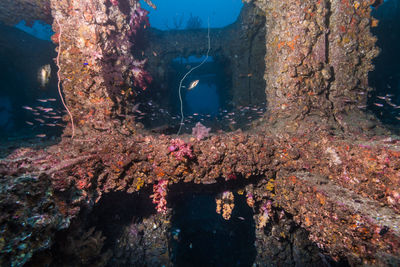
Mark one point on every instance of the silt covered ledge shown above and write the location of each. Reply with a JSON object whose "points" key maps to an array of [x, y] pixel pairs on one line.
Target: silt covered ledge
{"points": [[314, 157]]}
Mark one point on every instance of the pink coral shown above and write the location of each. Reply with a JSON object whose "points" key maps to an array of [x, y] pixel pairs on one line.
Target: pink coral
{"points": [[265, 214], [116, 60], [138, 20], [200, 131], [159, 196], [141, 77], [114, 2], [180, 149]]}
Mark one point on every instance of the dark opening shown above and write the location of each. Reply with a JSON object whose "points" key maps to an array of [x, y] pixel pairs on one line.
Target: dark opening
{"points": [[124, 221], [206, 102], [210, 102], [204, 98], [123, 229], [201, 237], [384, 101], [29, 101], [230, 93]]}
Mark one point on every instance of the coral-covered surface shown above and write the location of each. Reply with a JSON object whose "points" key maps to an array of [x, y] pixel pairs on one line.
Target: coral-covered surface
{"points": [[305, 162], [13, 11], [347, 201], [319, 56], [29, 217], [100, 75]]}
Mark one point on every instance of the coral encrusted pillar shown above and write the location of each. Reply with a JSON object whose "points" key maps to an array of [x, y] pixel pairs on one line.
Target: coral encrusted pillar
{"points": [[318, 55], [351, 51], [99, 74]]}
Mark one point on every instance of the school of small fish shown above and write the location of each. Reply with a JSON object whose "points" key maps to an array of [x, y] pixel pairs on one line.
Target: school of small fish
{"points": [[44, 115], [152, 115], [386, 102], [241, 117]]}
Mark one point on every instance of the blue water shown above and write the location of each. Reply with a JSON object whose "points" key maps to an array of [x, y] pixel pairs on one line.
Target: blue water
{"points": [[39, 29], [203, 100], [219, 12]]}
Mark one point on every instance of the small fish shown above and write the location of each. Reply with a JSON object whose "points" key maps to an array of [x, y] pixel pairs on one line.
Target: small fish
{"points": [[39, 120], [397, 118], [27, 108], [135, 108], [29, 123], [193, 84], [56, 117], [378, 104], [241, 218], [50, 124], [381, 97], [51, 99], [47, 109], [41, 135], [42, 100], [44, 74], [154, 54]]}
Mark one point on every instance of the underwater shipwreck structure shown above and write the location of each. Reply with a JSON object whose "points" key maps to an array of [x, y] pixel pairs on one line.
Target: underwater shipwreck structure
{"points": [[320, 175]]}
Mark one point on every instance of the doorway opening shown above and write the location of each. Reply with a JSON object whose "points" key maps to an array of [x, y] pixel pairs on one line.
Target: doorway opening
{"points": [[384, 101]]}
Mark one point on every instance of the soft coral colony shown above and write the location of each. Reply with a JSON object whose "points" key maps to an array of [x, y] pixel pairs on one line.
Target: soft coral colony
{"points": [[298, 173], [103, 38]]}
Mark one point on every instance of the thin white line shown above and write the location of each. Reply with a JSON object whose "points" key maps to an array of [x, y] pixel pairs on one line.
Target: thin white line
{"points": [[180, 84], [59, 79]]}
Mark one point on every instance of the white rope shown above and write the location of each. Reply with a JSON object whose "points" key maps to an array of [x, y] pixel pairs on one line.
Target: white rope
{"points": [[59, 78], [192, 69]]}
